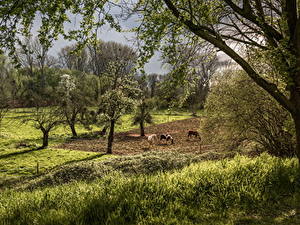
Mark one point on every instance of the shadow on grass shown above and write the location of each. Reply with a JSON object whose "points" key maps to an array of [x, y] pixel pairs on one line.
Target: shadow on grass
{"points": [[85, 159], [19, 153], [17, 181], [279, 216], [84, 136]]}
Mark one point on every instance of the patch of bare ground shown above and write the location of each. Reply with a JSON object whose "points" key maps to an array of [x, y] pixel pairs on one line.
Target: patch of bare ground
{"points": [[130, 142]]}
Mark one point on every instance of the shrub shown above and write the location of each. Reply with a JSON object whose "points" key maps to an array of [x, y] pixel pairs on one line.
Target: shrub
{"points": [[239, 112]]}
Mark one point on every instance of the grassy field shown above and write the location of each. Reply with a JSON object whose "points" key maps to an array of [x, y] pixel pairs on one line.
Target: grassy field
{"points": [[156, 187], [263, 190], [19, 141]]}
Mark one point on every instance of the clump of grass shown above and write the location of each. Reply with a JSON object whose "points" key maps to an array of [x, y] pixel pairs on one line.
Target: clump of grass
{"points": [[147, 163], [220, 192]]}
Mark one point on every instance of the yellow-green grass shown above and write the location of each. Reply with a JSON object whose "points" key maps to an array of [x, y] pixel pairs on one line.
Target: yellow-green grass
{"points": [[263, 190], [19, 142]]}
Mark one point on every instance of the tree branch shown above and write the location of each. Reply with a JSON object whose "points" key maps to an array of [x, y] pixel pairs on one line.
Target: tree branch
{"points": [[269, 87], [270, 32]]}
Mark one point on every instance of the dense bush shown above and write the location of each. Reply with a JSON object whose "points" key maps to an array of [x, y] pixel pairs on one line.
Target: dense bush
{"points": [[239, 112], [221, 192]]}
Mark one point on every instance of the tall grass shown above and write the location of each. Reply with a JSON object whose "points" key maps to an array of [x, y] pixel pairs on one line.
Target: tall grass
{"points": [[258, 191], [145, 164]]}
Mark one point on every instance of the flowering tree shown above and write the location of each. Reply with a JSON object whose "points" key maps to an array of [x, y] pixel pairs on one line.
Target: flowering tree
{"points": [[75, 96], [119, 98]]}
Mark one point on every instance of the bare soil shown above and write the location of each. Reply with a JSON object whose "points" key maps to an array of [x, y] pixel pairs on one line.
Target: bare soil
{"points": [[130, 142]]}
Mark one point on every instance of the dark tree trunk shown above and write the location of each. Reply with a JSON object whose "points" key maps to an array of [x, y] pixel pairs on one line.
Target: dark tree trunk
{"points": [[110, 137], [45, 139], [295, 99], [142, 128], [72, 127], [297, 127]]}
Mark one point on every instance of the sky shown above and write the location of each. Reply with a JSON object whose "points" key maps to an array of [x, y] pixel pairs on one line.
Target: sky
{"points": [[109, 34], [106, 33]]}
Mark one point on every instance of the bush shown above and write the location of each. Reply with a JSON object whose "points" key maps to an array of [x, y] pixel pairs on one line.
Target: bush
{"points": [[239, 112]]}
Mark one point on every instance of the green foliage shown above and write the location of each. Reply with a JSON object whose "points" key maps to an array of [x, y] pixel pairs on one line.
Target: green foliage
{"points": [[260, 190], [75, 96], [120, 98], [239, 112], [38, 85], [17, 20], [143, 114], [5, 86]]}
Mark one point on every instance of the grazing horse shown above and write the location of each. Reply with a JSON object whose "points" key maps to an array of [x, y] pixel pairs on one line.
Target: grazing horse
{"points": [[152, 139], [166, 137], [193, 133]]}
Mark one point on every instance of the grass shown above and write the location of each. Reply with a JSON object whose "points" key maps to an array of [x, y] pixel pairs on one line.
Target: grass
{"points": [[89, 170], [153, 188], [19, 142], [263, 190]]}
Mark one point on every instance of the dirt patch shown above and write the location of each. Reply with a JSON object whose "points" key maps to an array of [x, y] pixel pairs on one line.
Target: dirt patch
{"points": [[130, 142]]}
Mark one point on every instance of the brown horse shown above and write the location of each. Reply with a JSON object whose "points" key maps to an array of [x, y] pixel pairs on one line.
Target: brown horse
{"points": [[192, 133]]}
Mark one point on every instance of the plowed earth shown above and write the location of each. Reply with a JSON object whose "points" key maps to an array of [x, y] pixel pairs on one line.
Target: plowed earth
{"points": [[130, 142]]}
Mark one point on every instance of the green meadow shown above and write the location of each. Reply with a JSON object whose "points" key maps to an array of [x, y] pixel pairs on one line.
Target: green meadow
{"points": [[19, 142], [76, 187], [264, 190]]}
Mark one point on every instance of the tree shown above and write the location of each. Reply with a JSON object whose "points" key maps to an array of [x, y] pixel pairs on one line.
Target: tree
{"points": [[143, 114], [240, 113], [145, 104], [153, 80], [235, 27], [34, 56], [3, 108], [75, 95], [73, 60], [194, 66], [238, 28], [102, 53], [45, 119], [6, 88], [119, 98]]}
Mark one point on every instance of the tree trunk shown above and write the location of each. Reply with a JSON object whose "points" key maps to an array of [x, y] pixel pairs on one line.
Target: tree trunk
{"points": [[45, 139], [142, 128], [72, 127], [297, 127], [296, 118], [295, 99], [110, 137]]}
